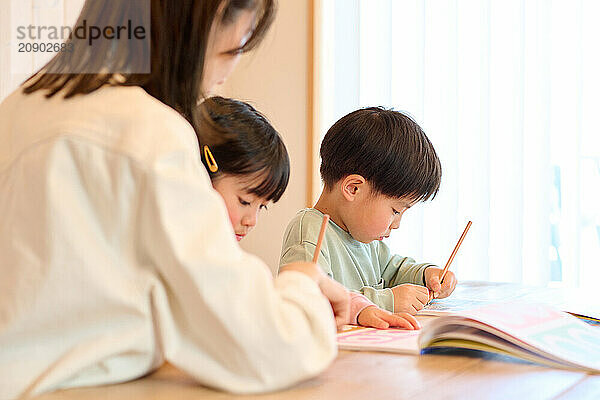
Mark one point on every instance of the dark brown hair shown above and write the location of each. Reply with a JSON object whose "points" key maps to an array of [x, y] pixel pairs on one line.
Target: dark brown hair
{"points": [[387, 148], [178, 43], [251, 146]]}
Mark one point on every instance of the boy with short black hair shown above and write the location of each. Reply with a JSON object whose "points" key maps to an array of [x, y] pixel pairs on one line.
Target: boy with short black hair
{"points": [[376, 164]]}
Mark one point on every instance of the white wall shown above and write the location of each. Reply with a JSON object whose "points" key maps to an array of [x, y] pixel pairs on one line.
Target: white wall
{"points": [[274, 78]]}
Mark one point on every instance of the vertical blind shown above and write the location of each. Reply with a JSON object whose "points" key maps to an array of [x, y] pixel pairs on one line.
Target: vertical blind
{"points": [[507, 92]]}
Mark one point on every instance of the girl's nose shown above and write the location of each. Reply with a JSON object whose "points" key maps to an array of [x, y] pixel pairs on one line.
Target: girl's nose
{"points": [[250, 218]]}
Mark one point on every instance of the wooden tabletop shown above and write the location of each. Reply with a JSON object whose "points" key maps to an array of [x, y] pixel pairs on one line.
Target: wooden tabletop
{"points": [[370, 376]]}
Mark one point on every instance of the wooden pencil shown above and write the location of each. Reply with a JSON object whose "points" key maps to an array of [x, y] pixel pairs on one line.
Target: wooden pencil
{"points": [[321, 235], [445, 270], [462, 237]]}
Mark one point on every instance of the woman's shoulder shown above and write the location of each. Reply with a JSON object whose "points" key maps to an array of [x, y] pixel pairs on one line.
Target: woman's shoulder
{"points": [[132, 108], [124, 120], [132, 102], [144, 124], [129, 102]]}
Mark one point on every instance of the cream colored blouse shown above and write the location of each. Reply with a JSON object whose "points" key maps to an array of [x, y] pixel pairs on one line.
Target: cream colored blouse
{"points": [[116, 254]]}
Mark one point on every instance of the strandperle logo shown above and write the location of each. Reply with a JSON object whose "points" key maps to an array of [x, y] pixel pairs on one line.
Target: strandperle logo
{"points": [[110, 36], [90, 33]]}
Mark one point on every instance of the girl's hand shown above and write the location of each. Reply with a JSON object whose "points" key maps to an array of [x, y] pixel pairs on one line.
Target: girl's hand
{"points": [[338, 297], [336, 293], [375, 317], [409, 298], [432, 280]]}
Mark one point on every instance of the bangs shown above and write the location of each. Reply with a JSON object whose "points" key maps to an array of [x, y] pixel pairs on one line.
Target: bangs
{"points": [[409, 167], [422, 174], [264, 18], [270, 183]]}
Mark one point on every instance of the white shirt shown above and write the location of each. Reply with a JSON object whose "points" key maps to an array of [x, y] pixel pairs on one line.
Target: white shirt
{"points": [[116, 254]]}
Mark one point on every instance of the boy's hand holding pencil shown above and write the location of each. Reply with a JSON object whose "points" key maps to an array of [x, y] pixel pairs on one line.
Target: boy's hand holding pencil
{"points": [[441, 282], [438, 289]]}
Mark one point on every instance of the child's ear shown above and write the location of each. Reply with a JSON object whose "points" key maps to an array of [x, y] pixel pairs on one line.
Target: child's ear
{"points": [[352, 186]]}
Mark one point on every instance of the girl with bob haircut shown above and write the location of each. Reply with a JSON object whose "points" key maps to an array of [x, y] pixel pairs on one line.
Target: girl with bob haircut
{"points": [[117, 253], [253, 163]]}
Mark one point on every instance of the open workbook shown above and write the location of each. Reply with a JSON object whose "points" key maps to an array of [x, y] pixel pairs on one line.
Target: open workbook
{"points": [[533, 332], [472, 294]]}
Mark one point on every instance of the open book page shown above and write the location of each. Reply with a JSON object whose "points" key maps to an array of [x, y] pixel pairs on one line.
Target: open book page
{"points": [[370, 339], [468, 295], [472, 294], [451, 305], [531, 331]]}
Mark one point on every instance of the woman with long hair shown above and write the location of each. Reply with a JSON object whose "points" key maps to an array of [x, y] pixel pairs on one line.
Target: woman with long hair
{"points": [[116, 253]]}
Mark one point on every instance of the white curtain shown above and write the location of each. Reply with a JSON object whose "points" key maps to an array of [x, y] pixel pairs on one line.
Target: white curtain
{"points": [[14, 67], [507, 92]]}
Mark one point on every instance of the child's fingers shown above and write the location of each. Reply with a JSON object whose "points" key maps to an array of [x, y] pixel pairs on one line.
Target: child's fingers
{"points": [[399, 320], [410, 319], [448, 285], [373, 317], [419, 304], [434, 282], [422, 294], [376, 321], [430, 295], [421, 289]]}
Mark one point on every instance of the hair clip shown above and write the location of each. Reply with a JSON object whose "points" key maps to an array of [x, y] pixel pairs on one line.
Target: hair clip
{"points": [[210, 160]]}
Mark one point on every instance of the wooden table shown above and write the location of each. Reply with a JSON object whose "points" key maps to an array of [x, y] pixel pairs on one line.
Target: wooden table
{"points": [[371, 376]]}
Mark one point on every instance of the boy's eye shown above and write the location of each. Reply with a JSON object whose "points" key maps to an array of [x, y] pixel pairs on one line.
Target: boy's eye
{"points": [[263, 207], [395, 212], [243, 202]]}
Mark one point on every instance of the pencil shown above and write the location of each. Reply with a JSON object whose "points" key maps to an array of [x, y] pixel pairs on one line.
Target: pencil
{"points": [[445, 270], [321, 235], [462, 237]]}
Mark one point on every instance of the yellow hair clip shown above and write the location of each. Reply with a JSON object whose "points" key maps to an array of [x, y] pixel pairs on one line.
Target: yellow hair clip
{"points": [[210, 160]]}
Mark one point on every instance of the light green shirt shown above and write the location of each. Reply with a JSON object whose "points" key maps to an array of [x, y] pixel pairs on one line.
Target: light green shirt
{"points": [[369, 269]]}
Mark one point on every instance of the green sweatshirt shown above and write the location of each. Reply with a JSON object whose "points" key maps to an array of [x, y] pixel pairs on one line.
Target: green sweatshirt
{"points": [[369, 269]]}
